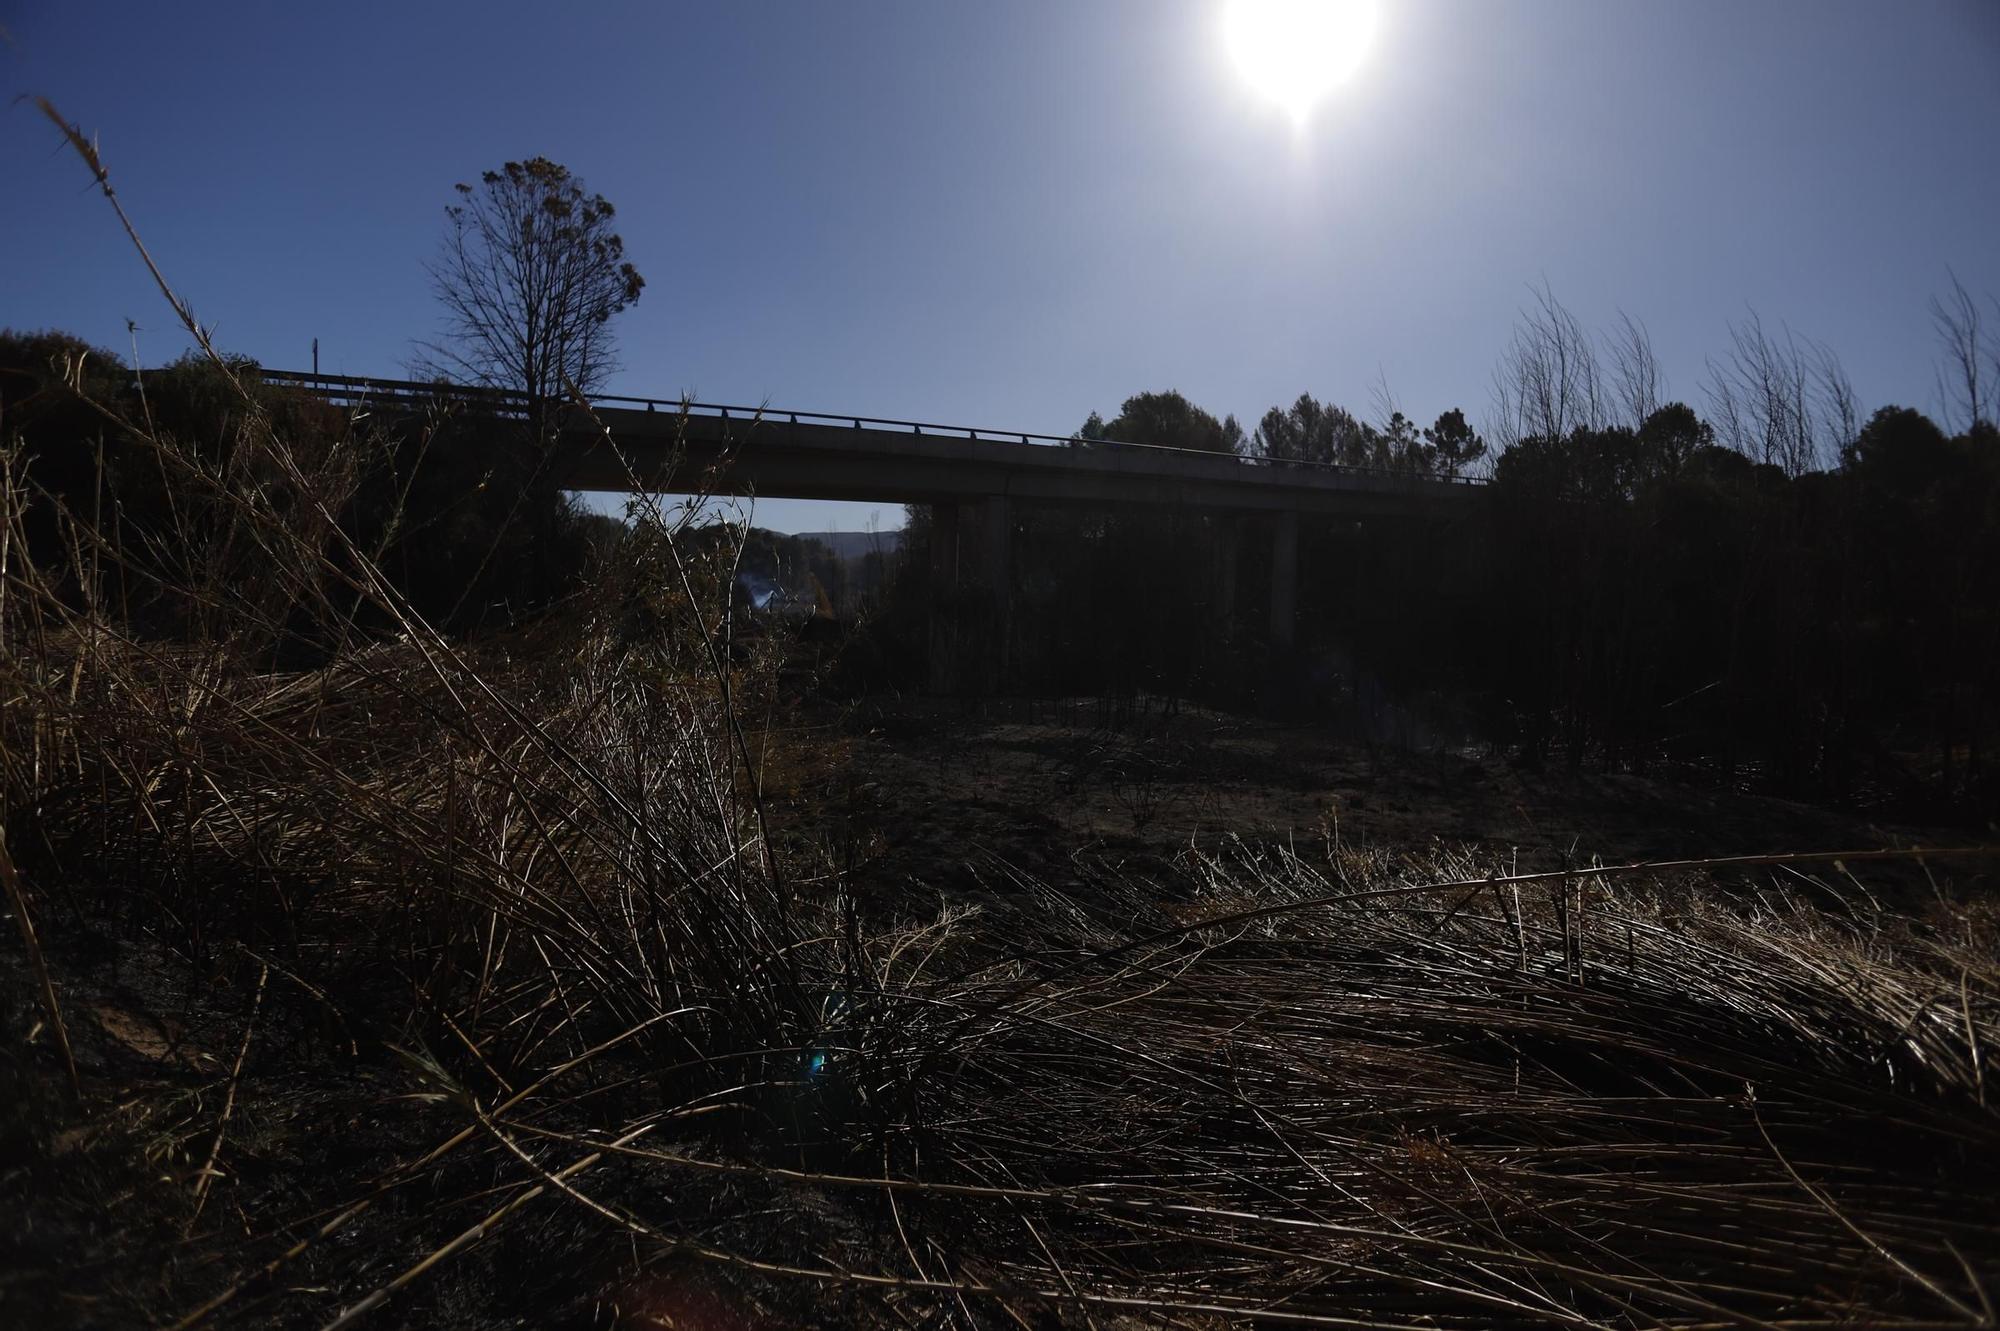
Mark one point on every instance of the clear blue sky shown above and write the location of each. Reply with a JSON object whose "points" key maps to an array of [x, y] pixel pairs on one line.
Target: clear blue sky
{"points": [[1010, 214]]}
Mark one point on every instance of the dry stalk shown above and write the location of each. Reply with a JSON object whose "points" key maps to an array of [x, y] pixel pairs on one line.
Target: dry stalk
{"points": [[207, 1174], [17, 900]]}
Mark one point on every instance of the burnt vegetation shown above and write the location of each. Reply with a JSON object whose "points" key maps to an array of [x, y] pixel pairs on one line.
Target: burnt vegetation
{"points": [[423, 912], [1781, 593]]}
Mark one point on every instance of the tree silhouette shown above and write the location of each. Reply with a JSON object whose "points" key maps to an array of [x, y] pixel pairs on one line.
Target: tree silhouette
{"points": [[1169, 419], [1454, 445], [530, 275], [1670, 436], [1312, 431], [1400, 447]]}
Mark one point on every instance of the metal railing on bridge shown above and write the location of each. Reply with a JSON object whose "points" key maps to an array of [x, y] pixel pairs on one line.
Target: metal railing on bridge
{"points": [[353, 391]]}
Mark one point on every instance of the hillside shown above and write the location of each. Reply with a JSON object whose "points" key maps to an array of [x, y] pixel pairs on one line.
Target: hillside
{"points": [[856, 544]]}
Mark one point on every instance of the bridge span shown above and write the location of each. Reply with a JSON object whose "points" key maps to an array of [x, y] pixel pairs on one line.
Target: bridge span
{"points": [[970, 476]]}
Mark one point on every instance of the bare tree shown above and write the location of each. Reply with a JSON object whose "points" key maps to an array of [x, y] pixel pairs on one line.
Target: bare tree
{"points": [[1839, 408], [1548, 381], [1764, 401], [1971, 357], [1382, 400], [1635, 370], [530, 274]]}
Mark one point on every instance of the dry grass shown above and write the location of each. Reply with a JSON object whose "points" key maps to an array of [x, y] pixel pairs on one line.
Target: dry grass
{"points": [[1415, 1107]]}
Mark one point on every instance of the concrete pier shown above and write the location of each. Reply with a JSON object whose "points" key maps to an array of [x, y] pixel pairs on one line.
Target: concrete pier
{"points": [[1285, 578]]}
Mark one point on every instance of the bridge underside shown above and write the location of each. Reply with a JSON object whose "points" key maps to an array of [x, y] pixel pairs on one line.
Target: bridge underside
{"points": [[972, 486], [780, 459], [970, 479]]}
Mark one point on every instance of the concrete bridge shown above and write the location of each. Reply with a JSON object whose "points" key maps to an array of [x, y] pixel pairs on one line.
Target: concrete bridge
{"points": [[970, 477]]}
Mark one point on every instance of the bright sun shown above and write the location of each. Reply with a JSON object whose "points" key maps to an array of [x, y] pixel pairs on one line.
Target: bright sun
{"points": [[1296, 51]]}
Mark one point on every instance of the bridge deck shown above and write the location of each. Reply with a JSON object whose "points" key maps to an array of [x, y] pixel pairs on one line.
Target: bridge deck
{"points": [[641, 444]]}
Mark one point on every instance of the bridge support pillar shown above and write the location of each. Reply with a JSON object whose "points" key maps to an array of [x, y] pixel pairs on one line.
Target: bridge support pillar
{"points": [[1228, 535], [1285, 578], [996, 575], [943, 645]]}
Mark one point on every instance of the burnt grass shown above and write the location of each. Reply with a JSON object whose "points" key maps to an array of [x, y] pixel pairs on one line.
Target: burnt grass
{"points": [[947, 793], [915, 803]]}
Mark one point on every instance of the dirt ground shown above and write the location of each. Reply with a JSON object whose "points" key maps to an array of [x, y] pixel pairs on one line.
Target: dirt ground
{"points": [[947, 795]]}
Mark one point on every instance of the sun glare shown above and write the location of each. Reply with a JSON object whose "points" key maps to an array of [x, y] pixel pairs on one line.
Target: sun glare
{"points": [[1296, 51]]}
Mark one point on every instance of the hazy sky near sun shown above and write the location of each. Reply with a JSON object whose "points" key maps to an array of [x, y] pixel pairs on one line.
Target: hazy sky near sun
{"points": [[1011, 214]]}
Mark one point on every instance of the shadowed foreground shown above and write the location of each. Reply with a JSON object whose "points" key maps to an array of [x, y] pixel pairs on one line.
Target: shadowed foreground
{"points": [[475, 985]]}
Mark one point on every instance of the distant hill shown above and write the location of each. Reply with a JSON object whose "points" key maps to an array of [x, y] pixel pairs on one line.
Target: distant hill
{"points": [[855, 544]]}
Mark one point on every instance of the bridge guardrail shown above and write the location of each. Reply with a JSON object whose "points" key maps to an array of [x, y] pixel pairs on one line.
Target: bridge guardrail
{"points": [[352, 390]]}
